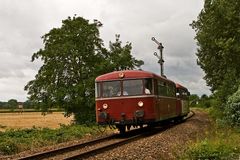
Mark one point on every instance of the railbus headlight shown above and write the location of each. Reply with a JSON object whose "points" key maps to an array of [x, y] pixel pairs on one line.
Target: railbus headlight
{"points": [[105, 106], [140, 103]]}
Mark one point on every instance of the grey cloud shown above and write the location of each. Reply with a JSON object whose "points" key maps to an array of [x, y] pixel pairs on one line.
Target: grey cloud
{"points": [[24, 22]]}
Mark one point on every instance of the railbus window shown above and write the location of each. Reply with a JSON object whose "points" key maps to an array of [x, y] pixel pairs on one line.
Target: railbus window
{"points": [[185, 94], [148, 86], [133, 87], [111, 88], [162, 88], [155, 87], [171, 90], [177, 92], [97, 90]]}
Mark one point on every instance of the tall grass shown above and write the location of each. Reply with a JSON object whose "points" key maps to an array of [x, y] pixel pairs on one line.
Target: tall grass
{"points": [[219, 144], [222, 142]]}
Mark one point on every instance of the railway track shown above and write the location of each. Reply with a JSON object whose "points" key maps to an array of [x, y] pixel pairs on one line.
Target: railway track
{"points": [[94, 147], [55, 152], [191, 114]]}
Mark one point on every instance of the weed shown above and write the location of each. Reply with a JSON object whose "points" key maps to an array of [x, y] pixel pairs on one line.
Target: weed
{"points": [[9, 146], [222, 142]]}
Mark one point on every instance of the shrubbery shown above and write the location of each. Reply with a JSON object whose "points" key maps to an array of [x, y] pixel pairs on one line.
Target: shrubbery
{"points": [[232, 109], [222, 144], [203, 102], [8, 146]]}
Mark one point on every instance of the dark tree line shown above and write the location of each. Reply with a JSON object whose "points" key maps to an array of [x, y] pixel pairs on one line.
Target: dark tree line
{"points": [[13, 104]]}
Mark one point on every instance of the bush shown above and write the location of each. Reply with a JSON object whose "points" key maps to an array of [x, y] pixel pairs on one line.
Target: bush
{"points": [[9, 146], [232, 110], [216, 112]]}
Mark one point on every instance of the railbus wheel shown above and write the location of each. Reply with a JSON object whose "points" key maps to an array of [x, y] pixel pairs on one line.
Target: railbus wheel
{"points": [[178, 119], [121, 128], [128, 127]]}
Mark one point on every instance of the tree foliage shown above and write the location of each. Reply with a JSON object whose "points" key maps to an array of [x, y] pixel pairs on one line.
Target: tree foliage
{"points": [[232, 110], [73, 55], [120, 58], [218, 38], [28, 104], [12, 103], [193, 100], [202, 102]]}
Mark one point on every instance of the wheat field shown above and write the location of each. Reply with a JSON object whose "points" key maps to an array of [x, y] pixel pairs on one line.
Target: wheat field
{"points": [[30, 119]]}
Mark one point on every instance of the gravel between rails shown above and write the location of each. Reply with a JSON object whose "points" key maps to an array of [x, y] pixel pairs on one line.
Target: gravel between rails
{"points": [[166, 145]]}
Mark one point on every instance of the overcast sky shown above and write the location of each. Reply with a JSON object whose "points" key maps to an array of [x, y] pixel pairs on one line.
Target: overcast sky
{"points": [[23, 22]]}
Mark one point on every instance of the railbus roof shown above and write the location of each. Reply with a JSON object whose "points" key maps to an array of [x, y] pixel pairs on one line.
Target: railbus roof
{"points": [[129, 74], [180, 86]]}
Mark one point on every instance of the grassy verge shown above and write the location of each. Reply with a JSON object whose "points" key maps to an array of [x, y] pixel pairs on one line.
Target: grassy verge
{"points": [[14, 141], [221, 142]]}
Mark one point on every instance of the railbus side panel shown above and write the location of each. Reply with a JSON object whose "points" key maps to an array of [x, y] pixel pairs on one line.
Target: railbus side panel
{"points": [[165, 108], [185, 107], [179, 107]]}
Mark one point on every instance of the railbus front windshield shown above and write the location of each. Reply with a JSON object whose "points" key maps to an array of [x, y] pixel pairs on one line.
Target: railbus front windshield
{"points": [[111, 89], [132, 87], [123, 88]]}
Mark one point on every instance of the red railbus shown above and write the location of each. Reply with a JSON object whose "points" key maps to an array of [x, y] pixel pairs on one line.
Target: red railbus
{"points": [[134, 98]]}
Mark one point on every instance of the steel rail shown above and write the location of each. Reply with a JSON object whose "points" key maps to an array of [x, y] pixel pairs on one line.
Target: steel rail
{"points": [[105, 148], [54, 152], [191, 115]]}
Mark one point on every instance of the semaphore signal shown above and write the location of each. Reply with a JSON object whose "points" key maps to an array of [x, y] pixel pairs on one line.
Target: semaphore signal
{"points": [[160, 57]]}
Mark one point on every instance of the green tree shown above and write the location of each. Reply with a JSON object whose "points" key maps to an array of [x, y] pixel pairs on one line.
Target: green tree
{"points": [[73, 56], [205, 101], [120, 58], [3, 104], [28, 104], [12, 103], [218, 38], [193, 100]]}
